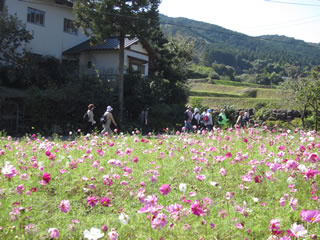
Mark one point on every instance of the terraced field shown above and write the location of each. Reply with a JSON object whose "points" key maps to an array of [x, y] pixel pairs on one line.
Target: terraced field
{"points": [[239, 95]]}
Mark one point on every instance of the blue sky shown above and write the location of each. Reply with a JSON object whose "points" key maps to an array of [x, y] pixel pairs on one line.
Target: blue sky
{"points": [[253, 17]]}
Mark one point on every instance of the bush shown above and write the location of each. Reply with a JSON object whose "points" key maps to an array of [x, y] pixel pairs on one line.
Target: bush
{"points": [[250, 93]]}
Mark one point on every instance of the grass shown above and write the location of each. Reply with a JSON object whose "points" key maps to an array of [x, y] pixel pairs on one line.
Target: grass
{"points": [[221, 198]]}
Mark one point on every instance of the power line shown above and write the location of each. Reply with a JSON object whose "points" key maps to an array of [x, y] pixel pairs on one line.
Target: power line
{"points": [[293, 3], [203, 29], [285, 24]]}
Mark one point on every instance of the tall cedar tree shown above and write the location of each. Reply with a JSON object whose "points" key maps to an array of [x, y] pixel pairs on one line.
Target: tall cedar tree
{"points": [[101, 19]]}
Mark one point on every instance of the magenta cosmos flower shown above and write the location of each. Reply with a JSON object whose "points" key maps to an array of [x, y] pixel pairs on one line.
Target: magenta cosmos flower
{"points": [[46, 177], [64, 206], [54, 233], [105, 202], [165, 189], [196, 208], [92, 201]]}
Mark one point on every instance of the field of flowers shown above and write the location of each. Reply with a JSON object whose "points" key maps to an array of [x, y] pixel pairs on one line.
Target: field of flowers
{"points": [[229, 184]]}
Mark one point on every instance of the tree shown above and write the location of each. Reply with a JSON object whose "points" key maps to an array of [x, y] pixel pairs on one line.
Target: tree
{"points": [[13, 35], [101, 19], [307, 93]]}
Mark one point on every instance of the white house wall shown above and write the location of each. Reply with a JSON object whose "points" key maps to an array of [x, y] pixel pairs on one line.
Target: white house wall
{"points": [[106, 62], [49, 39], [139, 48], [137, 51]]}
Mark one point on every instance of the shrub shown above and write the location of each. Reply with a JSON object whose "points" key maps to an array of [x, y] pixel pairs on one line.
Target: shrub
{"points": [[250, 93]]}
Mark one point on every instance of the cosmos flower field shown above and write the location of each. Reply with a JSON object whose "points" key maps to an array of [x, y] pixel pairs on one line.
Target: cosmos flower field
{"points": [[227, 184]]}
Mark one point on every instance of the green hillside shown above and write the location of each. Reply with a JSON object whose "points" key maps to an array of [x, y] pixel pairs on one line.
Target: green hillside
{"points": [[214, 43]]}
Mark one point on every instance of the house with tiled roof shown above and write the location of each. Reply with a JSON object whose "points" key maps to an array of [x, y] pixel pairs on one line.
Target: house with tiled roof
{"points": [[54, 34]]}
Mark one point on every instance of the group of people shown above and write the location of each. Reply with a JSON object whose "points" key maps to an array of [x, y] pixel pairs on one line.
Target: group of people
{"points": [[105, 120], [202, 121]]}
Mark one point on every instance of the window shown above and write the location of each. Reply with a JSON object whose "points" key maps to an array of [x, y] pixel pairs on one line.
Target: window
{"points": [[35, 16], [69, 27], [89, 64], [1, 5]]}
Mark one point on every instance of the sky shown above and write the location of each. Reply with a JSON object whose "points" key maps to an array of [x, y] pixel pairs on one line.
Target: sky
{"points": [[299, 19]]}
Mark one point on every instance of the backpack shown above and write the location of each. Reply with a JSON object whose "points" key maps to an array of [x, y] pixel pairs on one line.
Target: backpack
{"points": [[220, 118], [206, 118], [186, 116], [86, 117], [194, 120], [103, 119]]}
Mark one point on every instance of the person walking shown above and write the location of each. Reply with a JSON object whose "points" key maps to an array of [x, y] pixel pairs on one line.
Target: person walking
{"points": [[208, 122], [188, 119], [108, 119], [240, 120], [144, 120], [196, 118], [222, 118], [89, 115]]}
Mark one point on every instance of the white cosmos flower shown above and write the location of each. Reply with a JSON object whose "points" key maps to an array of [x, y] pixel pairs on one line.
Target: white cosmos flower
{"points": [[311, 139], [255, 199], [93, 234], [298, 230], [302, 168], [183, 187], [124, 218], [213, 184], [291, 180]]}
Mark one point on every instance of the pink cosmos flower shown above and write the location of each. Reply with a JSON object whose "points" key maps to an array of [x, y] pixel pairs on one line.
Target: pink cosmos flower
{"points": [[24, 176], [92, 201], [223, 172], [159, 221], [282, 202], [64, 206], [293, 203], [239, 225], [9, 171], [165, 189], [46, 177], [201, 177], [274, 226], [20, 189], [298, 230], [222, 213], [54, 233], [246, 178], [151, 200], [310, 215], [113, 235]]}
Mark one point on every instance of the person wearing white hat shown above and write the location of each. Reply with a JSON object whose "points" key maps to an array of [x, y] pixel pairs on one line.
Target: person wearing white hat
{"points": [[107, 117]]}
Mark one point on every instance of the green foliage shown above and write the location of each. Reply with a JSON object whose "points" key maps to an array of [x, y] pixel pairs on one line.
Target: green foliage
{"points": [[13, 35], [279, 124], [224, 70], [196, 103], [37, 71], [197, 71]]}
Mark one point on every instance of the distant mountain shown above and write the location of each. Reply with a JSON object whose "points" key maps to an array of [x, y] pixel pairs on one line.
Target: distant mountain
{"points": [[217, 44]]}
